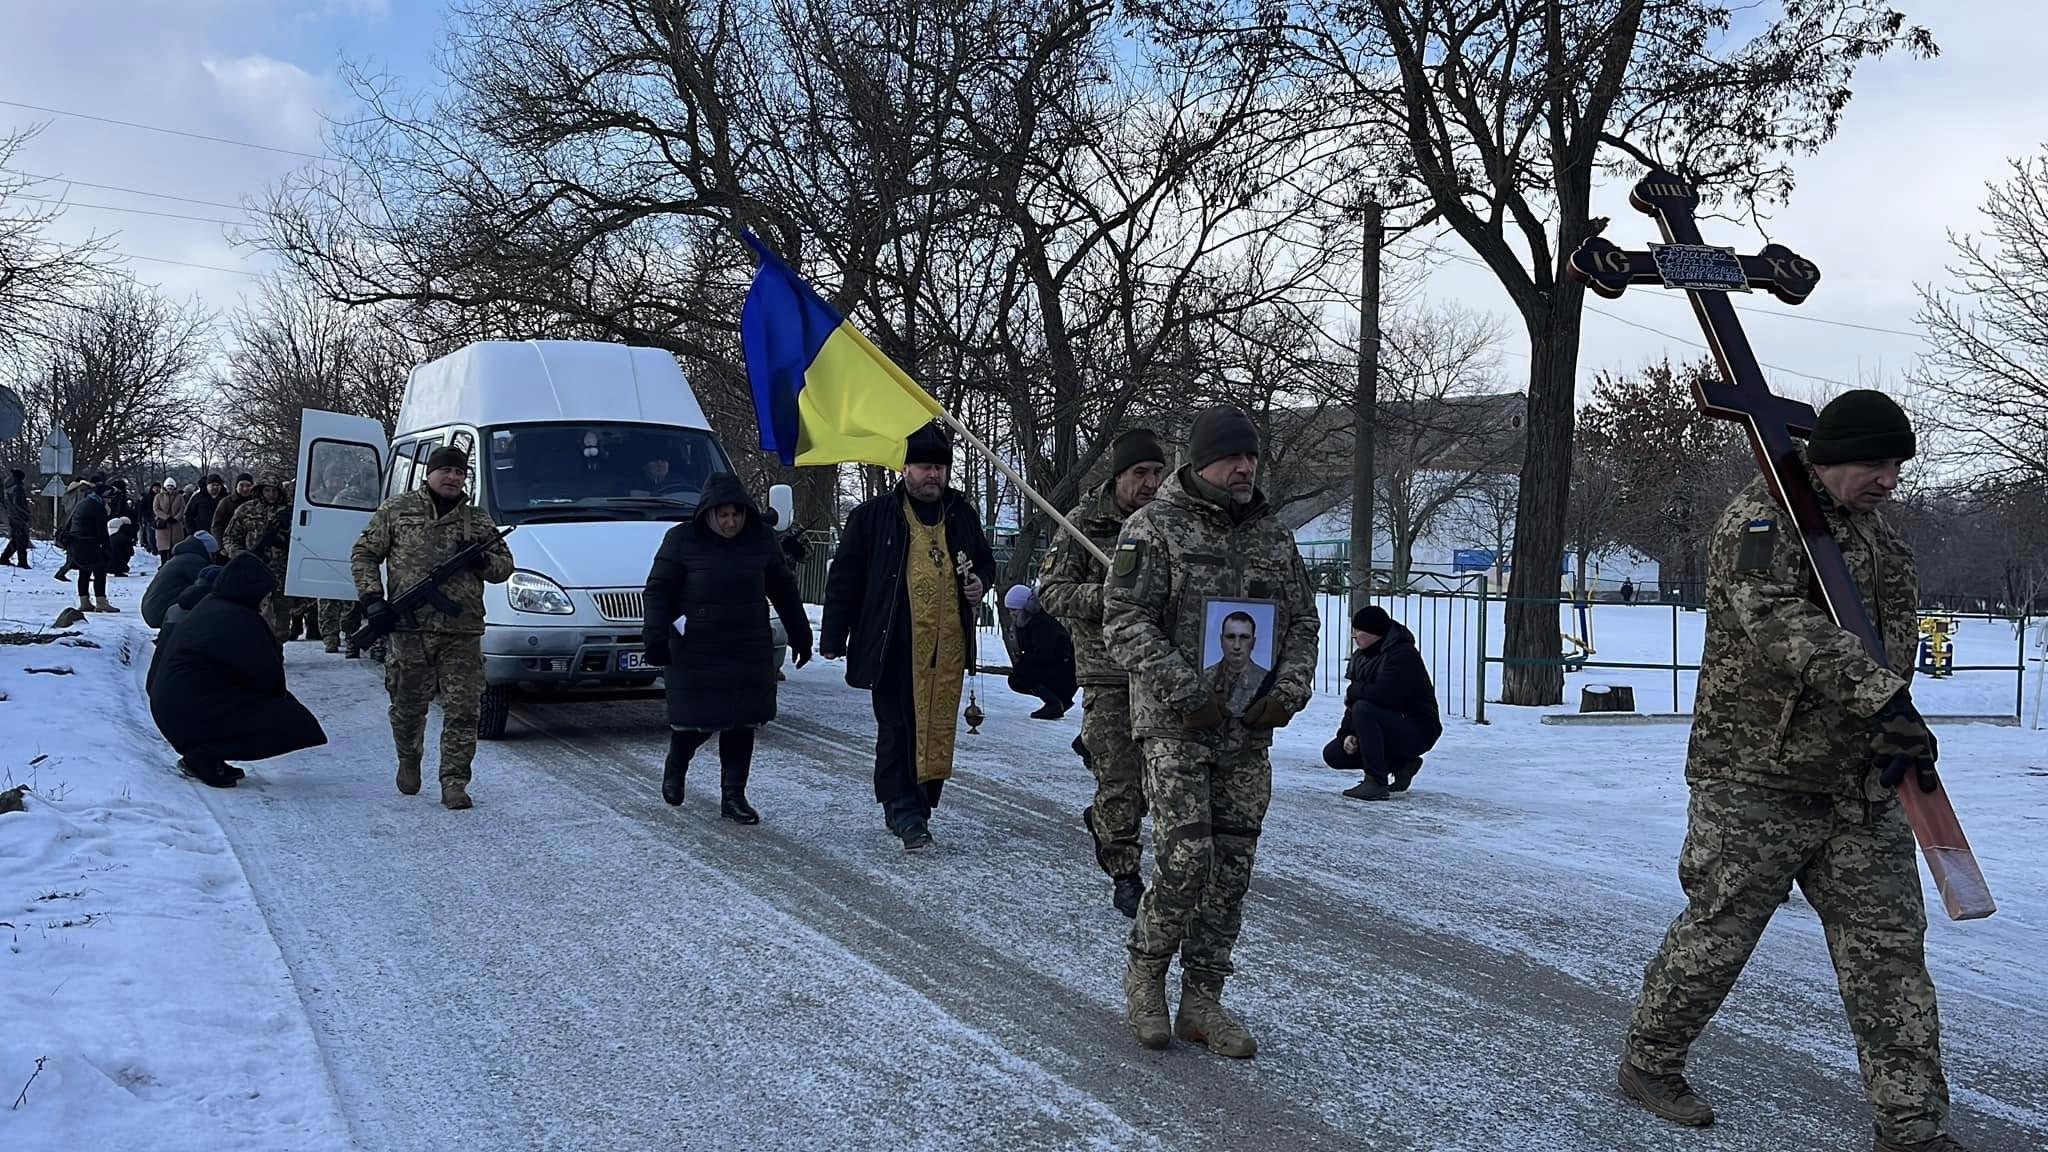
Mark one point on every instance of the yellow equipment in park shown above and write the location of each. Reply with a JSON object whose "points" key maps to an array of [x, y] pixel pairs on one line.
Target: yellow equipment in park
{"points": [[1937, 646]]}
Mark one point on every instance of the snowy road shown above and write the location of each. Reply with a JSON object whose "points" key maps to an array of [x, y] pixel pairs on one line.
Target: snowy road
{"points": [[575, 965]]}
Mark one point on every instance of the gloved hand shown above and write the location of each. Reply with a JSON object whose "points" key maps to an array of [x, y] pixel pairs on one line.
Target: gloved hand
{"points": [[376, 613], [798, 657], [1902, 742], [478, 560], [1267, 712], [1208, 716]]}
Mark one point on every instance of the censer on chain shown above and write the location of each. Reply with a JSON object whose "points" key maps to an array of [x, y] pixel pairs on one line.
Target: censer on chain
{"points": [[973, 715]]}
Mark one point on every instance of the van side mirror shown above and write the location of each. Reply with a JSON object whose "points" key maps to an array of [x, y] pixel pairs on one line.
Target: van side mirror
{"points": [[782, 502]]}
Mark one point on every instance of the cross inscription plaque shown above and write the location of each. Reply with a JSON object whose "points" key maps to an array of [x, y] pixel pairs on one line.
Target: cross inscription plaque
{"points": [[1772, 423]]}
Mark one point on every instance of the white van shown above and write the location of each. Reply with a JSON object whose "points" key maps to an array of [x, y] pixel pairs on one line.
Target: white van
{"points": [[593, 451]]}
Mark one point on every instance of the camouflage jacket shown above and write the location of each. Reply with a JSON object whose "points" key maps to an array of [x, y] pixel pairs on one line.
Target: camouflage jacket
{"points": [[251, 523], [1178, 553], [1786, 694], [1070, 586], [409, 539]]}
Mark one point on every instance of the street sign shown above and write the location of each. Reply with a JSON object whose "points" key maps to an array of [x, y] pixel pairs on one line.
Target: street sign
{"points": [[56, 455]]}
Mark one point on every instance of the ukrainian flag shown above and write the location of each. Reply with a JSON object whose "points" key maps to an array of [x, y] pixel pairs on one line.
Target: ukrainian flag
{"points": [[822, 393]]}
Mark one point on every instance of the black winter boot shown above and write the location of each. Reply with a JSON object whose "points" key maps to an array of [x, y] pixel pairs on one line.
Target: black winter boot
{"points": [[1404, 773], [1370, 788], [672, 779], [733, 806]]}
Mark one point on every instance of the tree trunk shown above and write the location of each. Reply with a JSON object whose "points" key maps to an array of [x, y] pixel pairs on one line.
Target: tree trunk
{"points": [[1365, 409], [1532, 677]]}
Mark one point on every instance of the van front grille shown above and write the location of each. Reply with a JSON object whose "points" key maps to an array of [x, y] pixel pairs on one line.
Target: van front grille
{"points": [[619, 605]]}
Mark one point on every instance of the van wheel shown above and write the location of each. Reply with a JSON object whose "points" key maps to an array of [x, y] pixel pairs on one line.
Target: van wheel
{"points": [[490, 718]]}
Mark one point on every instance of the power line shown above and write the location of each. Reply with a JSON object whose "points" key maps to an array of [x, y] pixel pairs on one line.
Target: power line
{"points": [[1704, 348], [166, 131], [189, 264], [136, 211], [130, 191]]}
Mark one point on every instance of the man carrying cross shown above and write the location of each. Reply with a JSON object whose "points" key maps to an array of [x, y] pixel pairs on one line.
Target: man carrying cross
{"points": [[1800, 743]]}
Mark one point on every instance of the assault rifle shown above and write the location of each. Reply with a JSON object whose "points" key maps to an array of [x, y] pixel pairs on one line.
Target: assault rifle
{"points": [[425, 593]]}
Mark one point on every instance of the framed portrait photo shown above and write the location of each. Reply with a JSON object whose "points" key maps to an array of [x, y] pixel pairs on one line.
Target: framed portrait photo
{"points": [[1238, 642]]}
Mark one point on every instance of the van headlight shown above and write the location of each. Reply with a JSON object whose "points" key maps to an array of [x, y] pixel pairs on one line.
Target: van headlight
{"points": [[532, 592]]}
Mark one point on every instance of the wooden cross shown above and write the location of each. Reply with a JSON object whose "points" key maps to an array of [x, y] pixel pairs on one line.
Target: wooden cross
{"points": [[1708, 274]]}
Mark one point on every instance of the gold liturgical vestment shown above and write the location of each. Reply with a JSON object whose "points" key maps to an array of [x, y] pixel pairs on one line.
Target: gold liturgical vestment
{"points": [[938, 649]]}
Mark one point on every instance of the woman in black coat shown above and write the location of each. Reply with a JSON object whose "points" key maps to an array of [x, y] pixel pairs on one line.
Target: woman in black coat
{"points": [[1390, 712], [706, 622], [221, 695], [85, 549]]}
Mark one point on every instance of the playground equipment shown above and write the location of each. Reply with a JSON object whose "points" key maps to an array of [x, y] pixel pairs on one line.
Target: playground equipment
{"points": [[1581, 645], [1937, 657]]}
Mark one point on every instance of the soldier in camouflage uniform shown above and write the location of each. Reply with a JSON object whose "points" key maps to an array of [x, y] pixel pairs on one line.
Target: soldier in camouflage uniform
{"points": [[340, 486], [1798, 746], [1070, 587], [263, 525], [1209, 535], [430, 652]]}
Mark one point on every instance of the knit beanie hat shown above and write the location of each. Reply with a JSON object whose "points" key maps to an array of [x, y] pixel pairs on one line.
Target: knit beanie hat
{"points": [[245, 476], [207, 541], [1221, 431], [447, 457], [1372, 619], [214, 478], [1135, 447], [1020, 596], [928, 445], [1859, 425]]}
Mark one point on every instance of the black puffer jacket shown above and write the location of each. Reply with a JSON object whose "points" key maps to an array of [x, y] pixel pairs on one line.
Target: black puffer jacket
{"points": [[721, 670], [86, 545], [199, 511], [220, 693], [1392, 675], [865, 593], [187, 560], [1045, 658]]}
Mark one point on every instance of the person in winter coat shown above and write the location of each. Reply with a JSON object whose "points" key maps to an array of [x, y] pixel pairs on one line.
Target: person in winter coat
{"points": [[263, 526], [1390, 712], [86, 549], [245, 491], [175, 611], [222, 693], [168, 509], [1044, 664], [122, 528], [174, 577], [14, 502], [706, 622], [202, 504]]}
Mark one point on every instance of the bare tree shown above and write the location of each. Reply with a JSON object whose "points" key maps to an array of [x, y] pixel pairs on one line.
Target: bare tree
{"points": [[1988, 335], [39, 279], [116, 375]]}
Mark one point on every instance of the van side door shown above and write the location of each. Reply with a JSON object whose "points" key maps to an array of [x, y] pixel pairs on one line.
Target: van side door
{"points": [[340, 481]]}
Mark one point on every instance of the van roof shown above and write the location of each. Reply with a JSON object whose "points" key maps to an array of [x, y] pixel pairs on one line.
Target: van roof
{"points": [[495, 382]]}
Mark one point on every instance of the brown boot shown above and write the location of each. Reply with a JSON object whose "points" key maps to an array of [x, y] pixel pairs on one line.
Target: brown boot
{"points": [[103, 606], [1202, 1020], [1145, 1005], [1667, 1096], [408, 779], [455, 794]]}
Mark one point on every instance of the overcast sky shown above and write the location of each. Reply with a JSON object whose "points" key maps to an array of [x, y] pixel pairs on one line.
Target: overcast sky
{"points": [[1873, 209]]}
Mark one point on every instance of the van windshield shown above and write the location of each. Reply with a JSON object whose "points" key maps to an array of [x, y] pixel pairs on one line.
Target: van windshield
{"points": [[585, 471]]}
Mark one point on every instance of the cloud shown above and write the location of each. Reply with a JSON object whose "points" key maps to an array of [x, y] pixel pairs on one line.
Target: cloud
{"points": [[274, 94]]}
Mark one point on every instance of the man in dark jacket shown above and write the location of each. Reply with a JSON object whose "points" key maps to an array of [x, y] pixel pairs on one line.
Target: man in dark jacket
{"points": [[1390, 712], [85, 548], [14, 502], [222, 694], [899, 605], [1044, 664], [245, 491], [204, 503], [706, 622], [177, 574]]}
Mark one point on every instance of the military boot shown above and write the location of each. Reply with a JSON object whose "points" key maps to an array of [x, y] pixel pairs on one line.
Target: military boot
{"points": [[1145, 1005], [1667, 1096], [455, 794], [1203, 1020], [1941, 1143], [408, 778], [103, 606]]}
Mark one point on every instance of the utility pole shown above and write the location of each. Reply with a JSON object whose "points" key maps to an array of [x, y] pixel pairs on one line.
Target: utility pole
{"points": [[1365, 407]]}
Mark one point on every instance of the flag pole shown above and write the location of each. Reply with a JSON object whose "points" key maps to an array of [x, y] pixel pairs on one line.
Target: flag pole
{"points": [[974, 442]]}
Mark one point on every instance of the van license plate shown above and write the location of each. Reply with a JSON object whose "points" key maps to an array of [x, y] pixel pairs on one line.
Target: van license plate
{"points": [[633, 661]]}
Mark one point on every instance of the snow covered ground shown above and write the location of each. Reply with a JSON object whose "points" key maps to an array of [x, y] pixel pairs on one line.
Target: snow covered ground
{"points": [[313, 961]]}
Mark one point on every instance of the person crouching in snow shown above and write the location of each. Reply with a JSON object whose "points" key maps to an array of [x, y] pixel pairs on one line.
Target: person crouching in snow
{"points": [[221, 695], [1044, 665], [1390, 713]]}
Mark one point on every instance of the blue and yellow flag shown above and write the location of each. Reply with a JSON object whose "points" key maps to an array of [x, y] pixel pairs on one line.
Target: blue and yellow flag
{"points": [[822, 393]]}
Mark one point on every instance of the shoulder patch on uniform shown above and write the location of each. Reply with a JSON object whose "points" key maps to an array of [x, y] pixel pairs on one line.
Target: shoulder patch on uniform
{"points": [[1130, 556], [1759, 545]]}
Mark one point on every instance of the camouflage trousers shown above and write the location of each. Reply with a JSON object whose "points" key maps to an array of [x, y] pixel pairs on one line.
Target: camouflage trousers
{"points": [[338, 619], [278, 610], [1208, 805], [1744, 846], [417, 667], [1118, 764]]}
